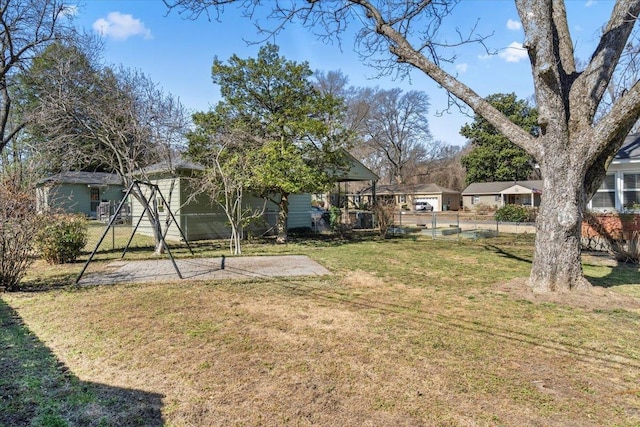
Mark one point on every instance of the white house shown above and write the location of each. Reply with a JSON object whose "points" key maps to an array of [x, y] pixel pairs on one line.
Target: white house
{"points": [[620, 190]]}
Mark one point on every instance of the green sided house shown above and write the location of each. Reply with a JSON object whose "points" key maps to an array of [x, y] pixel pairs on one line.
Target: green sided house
{"points": [[198, 218], [78, 192]]}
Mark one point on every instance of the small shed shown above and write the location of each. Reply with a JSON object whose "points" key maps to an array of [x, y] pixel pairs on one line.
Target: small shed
{"points": [[78, 192], [198, 217]]}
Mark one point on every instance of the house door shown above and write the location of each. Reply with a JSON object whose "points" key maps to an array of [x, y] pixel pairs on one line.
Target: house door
{"points": [[95, 200]]}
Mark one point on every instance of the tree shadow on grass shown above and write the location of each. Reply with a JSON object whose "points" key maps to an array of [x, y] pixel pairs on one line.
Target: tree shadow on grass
{"points": [[36, 388], [620, 274], [510, 255]]}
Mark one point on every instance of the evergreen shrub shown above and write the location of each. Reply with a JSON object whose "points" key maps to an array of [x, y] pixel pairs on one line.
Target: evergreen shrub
{"points": [[62, 237], [514, 213]]}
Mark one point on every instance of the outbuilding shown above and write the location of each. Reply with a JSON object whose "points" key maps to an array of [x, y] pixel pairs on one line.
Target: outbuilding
{"points": [[78, 192]]}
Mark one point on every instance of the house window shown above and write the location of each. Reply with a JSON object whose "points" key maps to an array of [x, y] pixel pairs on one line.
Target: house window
{"points": [[498, 198], [605, 197], [631, 190], [402, 198], [475, 200]]}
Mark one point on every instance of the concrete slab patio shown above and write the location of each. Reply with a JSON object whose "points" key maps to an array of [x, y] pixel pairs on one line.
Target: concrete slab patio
{"points": [[162, 270]]}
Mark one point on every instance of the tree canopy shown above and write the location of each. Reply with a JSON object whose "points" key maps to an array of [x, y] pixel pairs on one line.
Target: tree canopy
{"points": [[26, 28], [289, 131], [397, 129], [493, 157]]}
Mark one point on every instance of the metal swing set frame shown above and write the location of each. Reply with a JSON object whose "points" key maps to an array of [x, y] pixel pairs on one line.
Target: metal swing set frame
{"points": [[116, 215]]}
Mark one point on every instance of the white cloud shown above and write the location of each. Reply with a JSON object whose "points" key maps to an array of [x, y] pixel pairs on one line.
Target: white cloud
{"points": [[119, 26], [513, 25], [590, 3], [514, 53], [462, 68]]}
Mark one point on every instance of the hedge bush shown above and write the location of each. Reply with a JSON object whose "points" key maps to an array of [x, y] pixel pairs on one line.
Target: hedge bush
{"points": [[62, 237], [514, 213]]}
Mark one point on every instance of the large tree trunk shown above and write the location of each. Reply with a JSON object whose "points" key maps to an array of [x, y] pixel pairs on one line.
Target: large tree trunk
{"points": [[557, 264], [283, 215], [156, 226]]}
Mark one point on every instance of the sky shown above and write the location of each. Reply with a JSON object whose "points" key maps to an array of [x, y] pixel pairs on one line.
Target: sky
{"points": [[178, 53]]}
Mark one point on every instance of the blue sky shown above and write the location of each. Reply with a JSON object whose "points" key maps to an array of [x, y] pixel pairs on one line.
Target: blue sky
{"points": [[178, 53]]}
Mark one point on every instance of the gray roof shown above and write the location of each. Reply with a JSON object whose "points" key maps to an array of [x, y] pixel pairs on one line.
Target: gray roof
{"points": [[75, 177], [410, 189], [176, 164], [630, 149], [497, 187]]}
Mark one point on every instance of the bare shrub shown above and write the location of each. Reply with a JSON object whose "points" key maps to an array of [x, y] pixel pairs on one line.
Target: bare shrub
{"points": [[623, 246], [627, 250], [484, 209], [383, 211], [18, 227]]}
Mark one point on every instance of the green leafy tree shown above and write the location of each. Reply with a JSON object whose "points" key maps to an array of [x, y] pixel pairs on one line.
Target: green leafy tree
{"points": [[228, 155], [291, 130], [493, 157]]}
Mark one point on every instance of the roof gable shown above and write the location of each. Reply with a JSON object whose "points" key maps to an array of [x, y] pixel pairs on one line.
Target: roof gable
{"points": [[357, 171], [517, 188]]}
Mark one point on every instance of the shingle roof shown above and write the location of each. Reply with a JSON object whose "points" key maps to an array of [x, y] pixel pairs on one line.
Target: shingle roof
{"points": [[176, 164], [75, 177], [497, 187]]}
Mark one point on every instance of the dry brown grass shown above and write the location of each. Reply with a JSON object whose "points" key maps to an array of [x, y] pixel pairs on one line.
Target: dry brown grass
{"points": [[432, 340]]}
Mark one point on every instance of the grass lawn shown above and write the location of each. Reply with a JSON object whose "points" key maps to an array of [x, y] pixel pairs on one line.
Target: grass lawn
{"points": [[407, 331]]}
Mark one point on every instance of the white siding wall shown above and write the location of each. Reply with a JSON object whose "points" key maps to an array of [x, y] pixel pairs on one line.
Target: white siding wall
{"points": [[619, 170]]}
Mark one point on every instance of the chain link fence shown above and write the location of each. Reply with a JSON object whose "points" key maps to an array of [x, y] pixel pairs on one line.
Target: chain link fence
{"points": [[457, 225]]}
